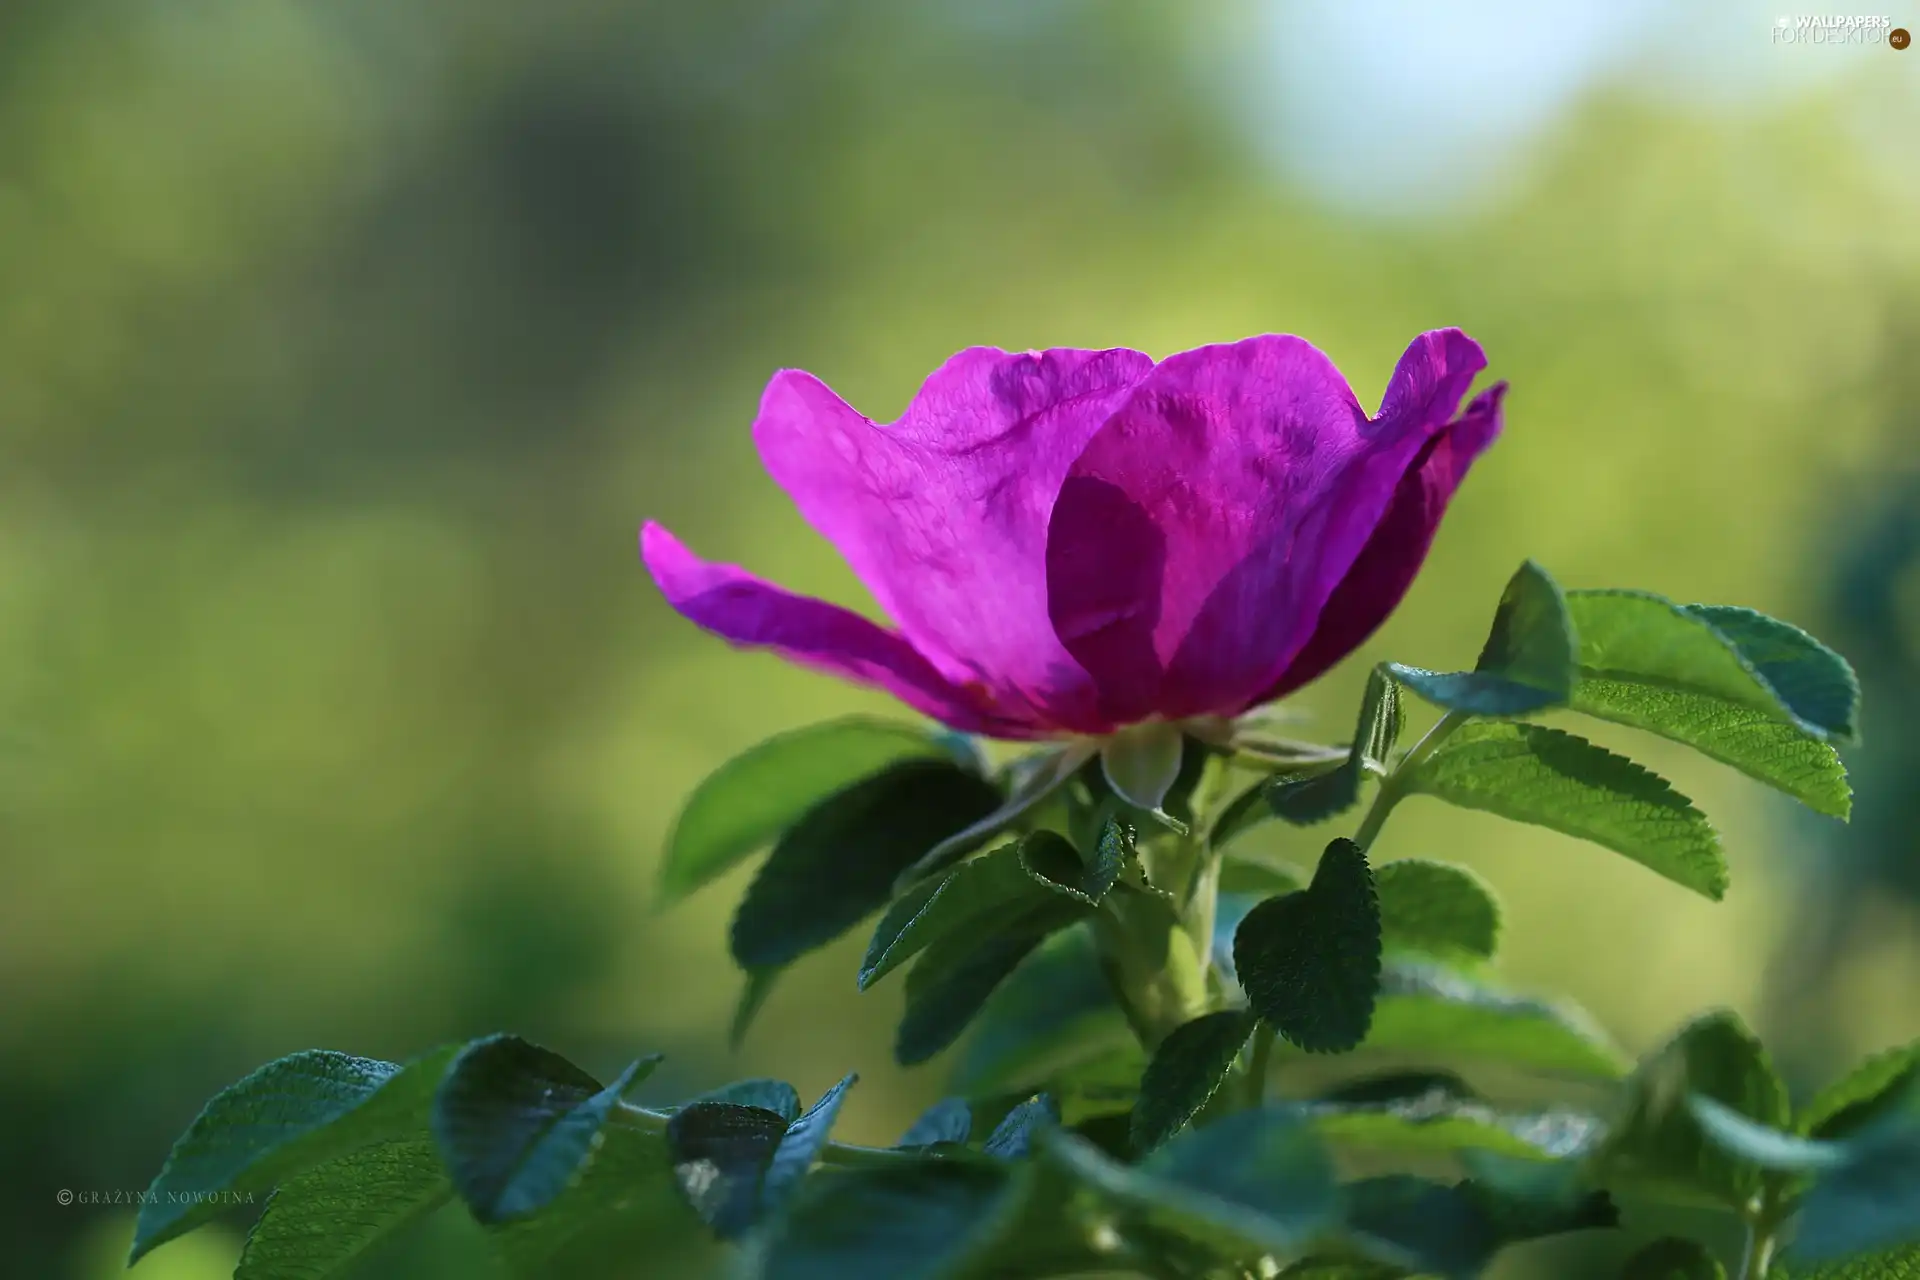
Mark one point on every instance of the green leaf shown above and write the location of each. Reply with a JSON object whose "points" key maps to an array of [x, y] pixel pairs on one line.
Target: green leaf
{"points": [[800, 1146], [1901, 1263], [1438, 1116], [1304, 800], [1761, 1144], [1050, 859], [1814, 682], [747, 802], [838, 863], [776, 1096], [1869, 1202], [1437, 907], [1454, 1231], [288, 1116], [317, 1223], [944, 992], [971, 899], [1257, 1183], [1185, 1072], [1530, 773], [1664, 668], [1527, 664], [1659, 1142], [919, 1221], [753, 997], [1867, 1094], [1013, 1137], [1056, 1011], [720, 1153], [1673, 1259], [1435, 1011], [1242, 874], [1029, 782], [515, 1123], [948, 1121], [1310, 961]]}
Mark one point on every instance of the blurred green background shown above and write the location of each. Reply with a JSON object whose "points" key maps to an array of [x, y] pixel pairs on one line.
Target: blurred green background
{"points": [[344, 346]]}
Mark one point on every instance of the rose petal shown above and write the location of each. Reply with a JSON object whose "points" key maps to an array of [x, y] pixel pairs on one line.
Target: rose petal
{"points": [[943, 514], [1199, 535], [1379, 579], [747, 610]]}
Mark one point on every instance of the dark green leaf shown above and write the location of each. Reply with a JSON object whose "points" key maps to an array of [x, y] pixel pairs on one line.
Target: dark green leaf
{"points": [[1673, 1259], [1435, 1114], [747, 802], [916, 1222], [1437, 1012], [318, 1222], [1530, 773], [801, 1146], [1012, 1138], [1870, 1202], [1343, 1269], [1813, 681], [1438, 908], [720, 1153], [1055, 1011], [290, 1115], [1658, 1141], [942, 1003], [753, 997], [1310, 961], [949, 1120], [973, 899], [1310, 798], [515, 1122], [1527, 664], [1053, 863], [1257, 1183], [1029, 781], [1655, 665], [1864, 1095], [1186, 1070], [1454, 1231], [838, 863], [776, 1096]]}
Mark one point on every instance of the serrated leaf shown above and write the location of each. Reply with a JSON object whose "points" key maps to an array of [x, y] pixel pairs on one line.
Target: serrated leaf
{"points": [[515, 1122], [1813, 681], [1864, 1095], [1527, 664], [1013, 1137], [776, 1096], [945, 992], [800, 1146], [1435, 1011], [317, 1223], [1315, 797], [1051, 861], [1310, 961], [974, 899], [289, 1116], [949, 1120], [1259, 1183], [837, 864], [1673, 1259], [1454, 1231], [1667, 669], [1029, 782], [746, 803], [1184, 1074], [720, 1153], [919, 1221], [1530, 773], [1659, 1142], [1437, 907], [1901, 1263]]}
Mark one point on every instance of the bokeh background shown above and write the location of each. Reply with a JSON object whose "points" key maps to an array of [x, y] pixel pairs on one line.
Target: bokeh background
{"points": [[344, 345]]}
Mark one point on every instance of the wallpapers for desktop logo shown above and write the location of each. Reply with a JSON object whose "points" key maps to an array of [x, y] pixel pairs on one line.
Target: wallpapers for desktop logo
{"points": [[1837, 29]]}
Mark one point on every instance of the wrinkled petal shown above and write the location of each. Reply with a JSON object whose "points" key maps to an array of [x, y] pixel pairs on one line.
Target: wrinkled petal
{"points": [[1199, 535], [1379, 579], [943, 514], [746, 610]]}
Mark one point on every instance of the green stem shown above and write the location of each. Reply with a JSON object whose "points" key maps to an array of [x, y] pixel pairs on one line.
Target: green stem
{"points": [[1756, 1252], [1393, 786], [1258, 1058]]}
